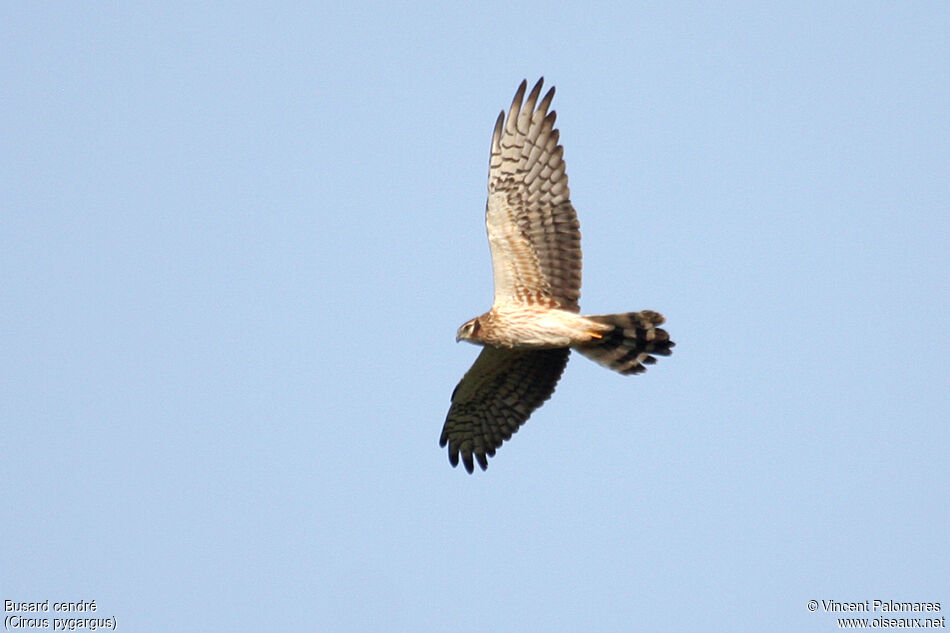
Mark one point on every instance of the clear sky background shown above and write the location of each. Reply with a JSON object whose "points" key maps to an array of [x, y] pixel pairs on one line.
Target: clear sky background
{"points": [[236, 243]]}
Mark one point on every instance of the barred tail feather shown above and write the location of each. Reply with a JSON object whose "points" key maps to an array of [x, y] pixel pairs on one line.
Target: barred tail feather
{"points": [[632, 343]]}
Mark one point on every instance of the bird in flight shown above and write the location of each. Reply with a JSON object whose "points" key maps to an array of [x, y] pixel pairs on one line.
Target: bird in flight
{"points": [[534, 321]]}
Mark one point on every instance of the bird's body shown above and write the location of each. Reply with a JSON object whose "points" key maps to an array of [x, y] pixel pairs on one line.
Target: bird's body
{"points": [[534, 321], [532, 327]]}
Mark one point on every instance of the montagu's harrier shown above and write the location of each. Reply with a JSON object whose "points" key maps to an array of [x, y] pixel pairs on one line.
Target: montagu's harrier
{"points": [[533, 323]]}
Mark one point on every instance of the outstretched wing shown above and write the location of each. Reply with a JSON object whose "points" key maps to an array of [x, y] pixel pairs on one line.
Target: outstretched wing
{"points": [[495, 397], [532, 228]]}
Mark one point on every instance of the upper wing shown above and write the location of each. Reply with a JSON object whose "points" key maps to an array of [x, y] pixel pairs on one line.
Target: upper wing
{"points": [[532, 228], [495, 397]]}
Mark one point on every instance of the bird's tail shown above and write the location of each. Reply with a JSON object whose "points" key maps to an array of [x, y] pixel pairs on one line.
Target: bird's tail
{"points": [[632, 343]]}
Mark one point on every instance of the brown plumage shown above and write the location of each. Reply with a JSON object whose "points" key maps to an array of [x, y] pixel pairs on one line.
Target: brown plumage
{"points": [[534, 322]]}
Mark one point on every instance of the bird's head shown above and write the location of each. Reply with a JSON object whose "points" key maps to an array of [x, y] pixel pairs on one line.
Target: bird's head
{"points": [[468, 331]]}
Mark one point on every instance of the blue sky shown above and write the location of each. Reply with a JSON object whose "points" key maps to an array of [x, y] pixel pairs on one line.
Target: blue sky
{"points": [[237, 241]]}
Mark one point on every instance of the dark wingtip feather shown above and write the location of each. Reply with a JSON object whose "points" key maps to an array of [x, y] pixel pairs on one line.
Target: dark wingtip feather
{"points": [[519, 94], [546, 101]]}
